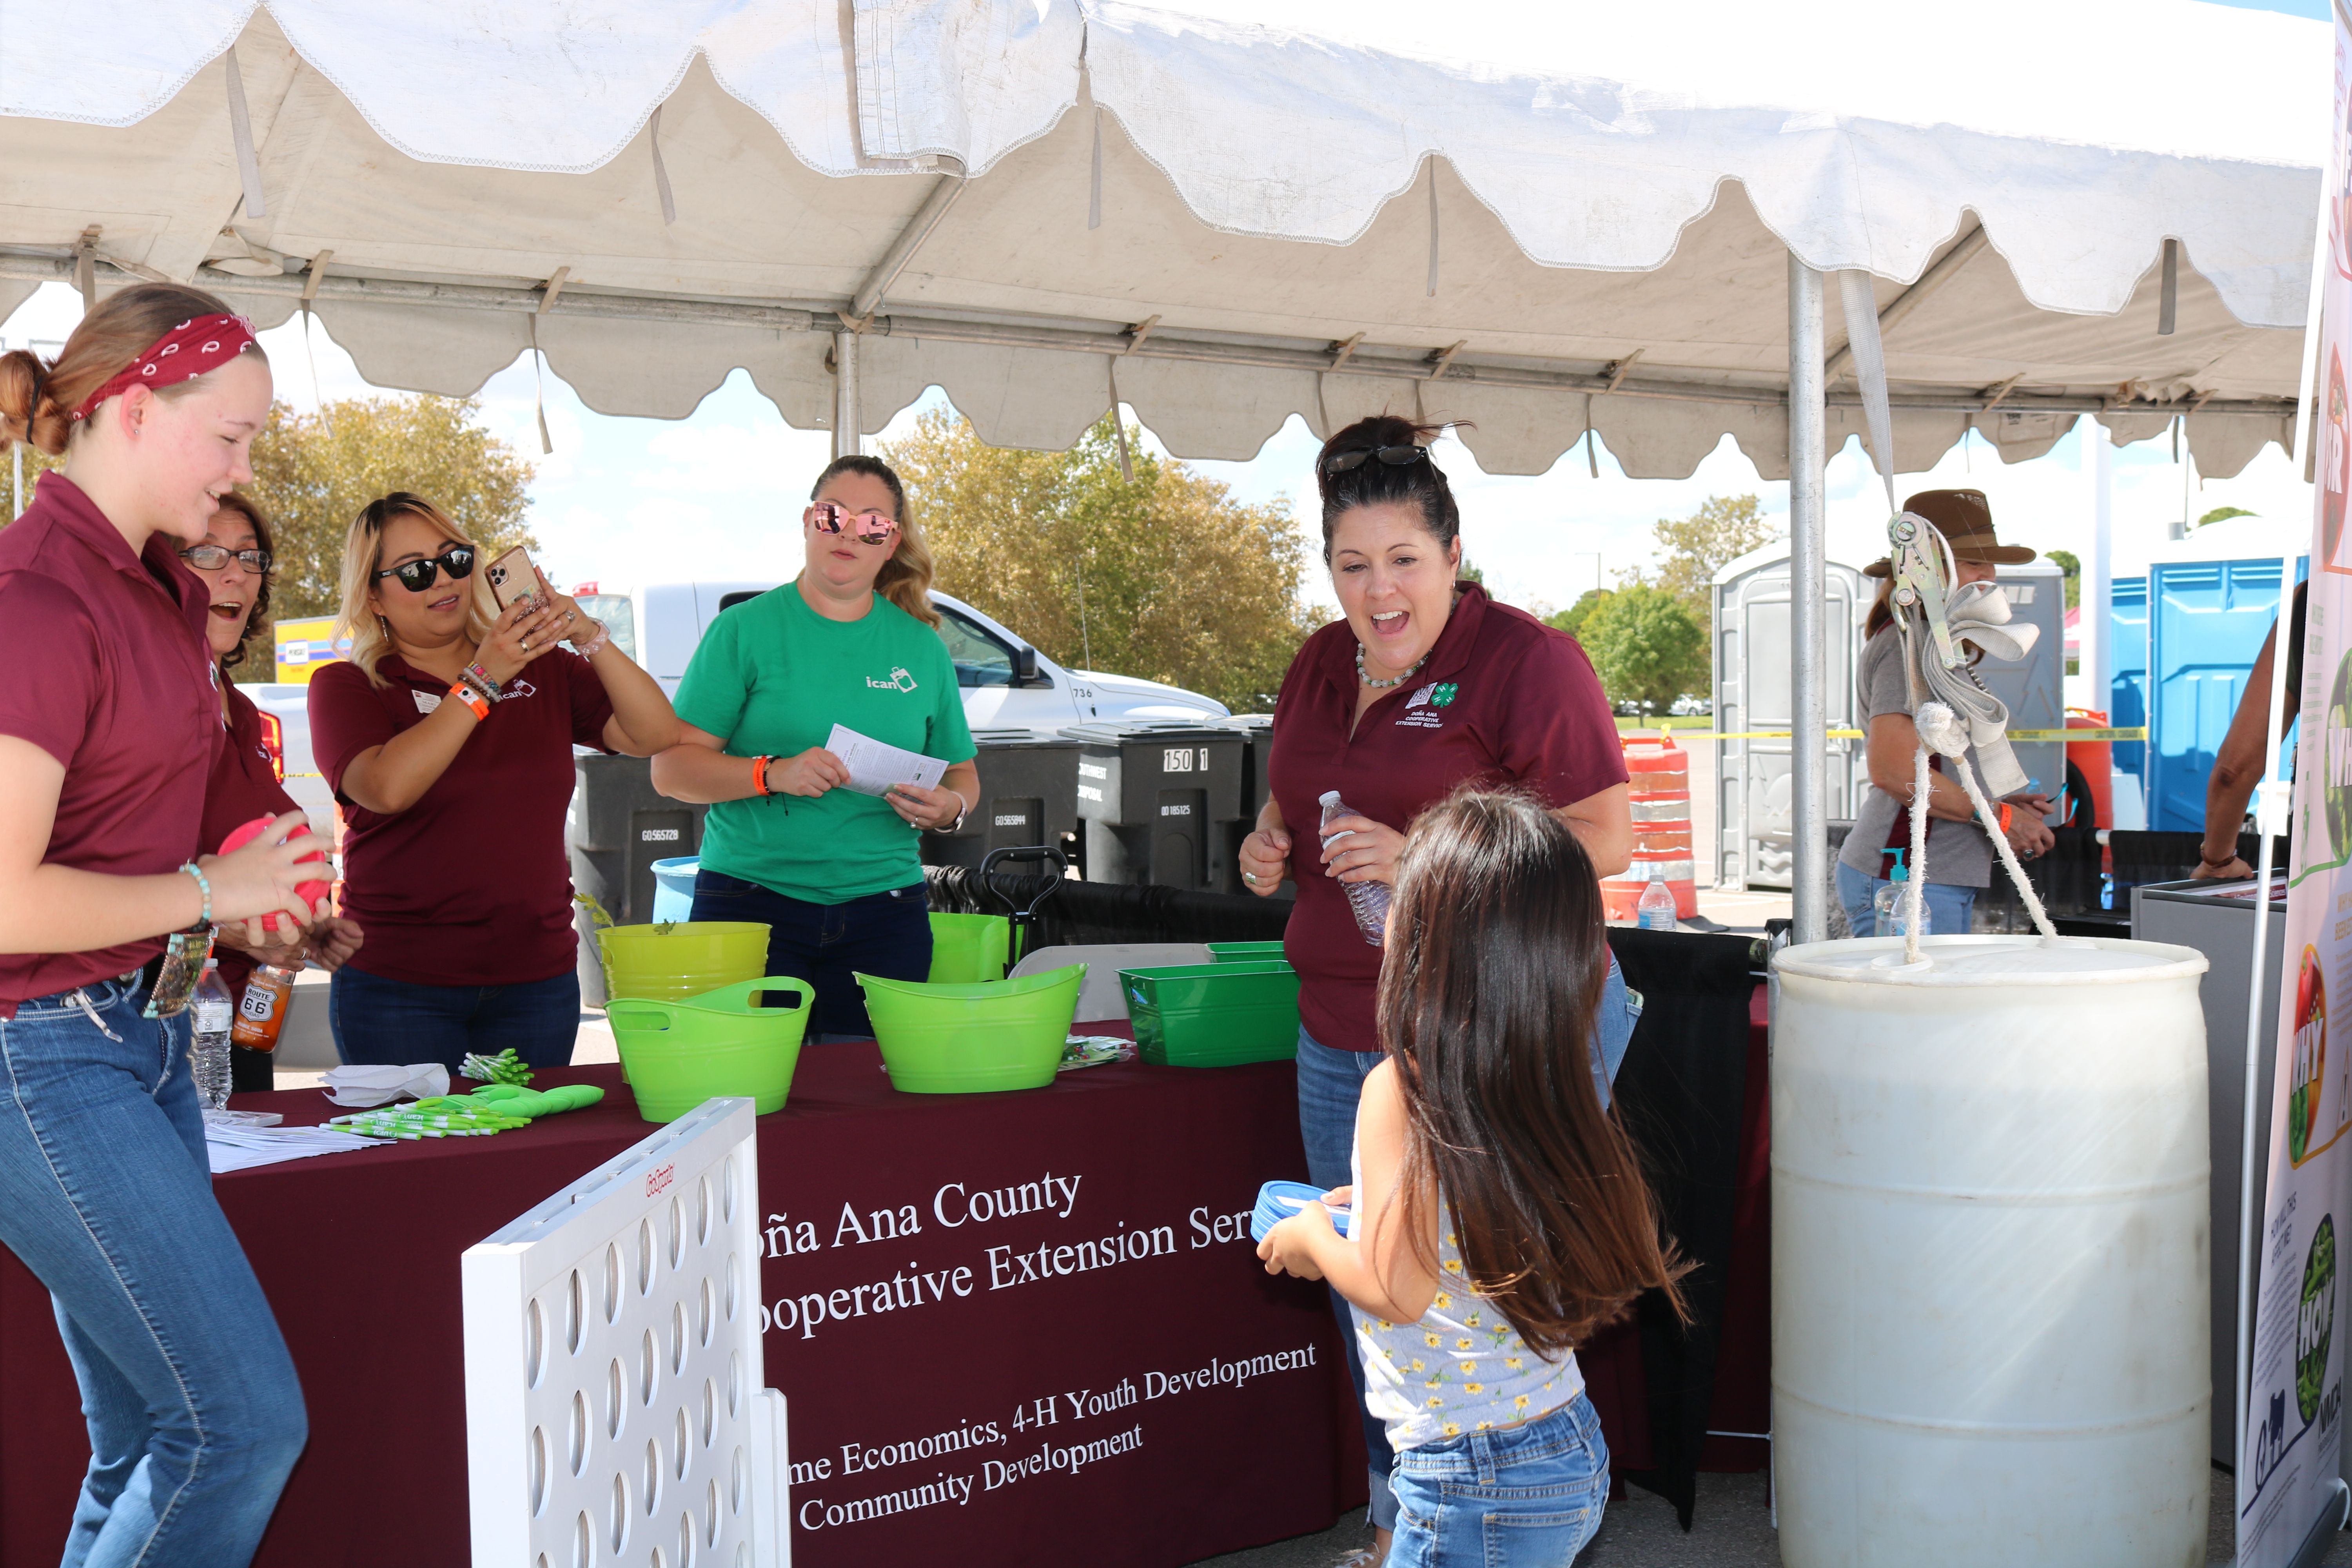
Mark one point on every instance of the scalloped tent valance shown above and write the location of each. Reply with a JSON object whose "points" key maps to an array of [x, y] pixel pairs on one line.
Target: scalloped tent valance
{"points": [[1534, 217]]}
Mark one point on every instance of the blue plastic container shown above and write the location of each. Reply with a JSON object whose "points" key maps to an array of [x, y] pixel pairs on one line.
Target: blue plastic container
{"points": [[673, 888], [1278, 1201]]}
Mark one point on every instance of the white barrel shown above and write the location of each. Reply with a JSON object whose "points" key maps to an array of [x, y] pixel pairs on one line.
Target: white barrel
{"points": [[1989, 1243]]}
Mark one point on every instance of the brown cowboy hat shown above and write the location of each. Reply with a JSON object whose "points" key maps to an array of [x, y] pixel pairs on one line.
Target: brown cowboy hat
{"points": [[1965, 520]]}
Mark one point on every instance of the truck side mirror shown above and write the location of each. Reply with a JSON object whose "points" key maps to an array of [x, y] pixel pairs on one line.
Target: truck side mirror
{"points": [[1024, 666]]}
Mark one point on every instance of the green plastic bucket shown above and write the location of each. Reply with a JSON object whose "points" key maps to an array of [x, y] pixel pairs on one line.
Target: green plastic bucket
{"points": [[1246, 953], [670, 963], [723, 1042], [968, 948], [973, 1036], [1213, 1014]]}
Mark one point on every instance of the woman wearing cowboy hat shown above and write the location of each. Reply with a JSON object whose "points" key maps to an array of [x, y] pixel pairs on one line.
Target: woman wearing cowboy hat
{"points": [[1960, 852]]}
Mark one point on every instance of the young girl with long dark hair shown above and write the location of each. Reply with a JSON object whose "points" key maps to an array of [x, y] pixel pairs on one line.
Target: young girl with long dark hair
{"points": [[1500, 1216]]}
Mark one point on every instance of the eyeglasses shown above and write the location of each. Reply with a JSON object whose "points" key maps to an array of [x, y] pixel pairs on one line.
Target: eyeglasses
{"points": [[416, 576], [213, 557], [1356, 457], [831, 517]]}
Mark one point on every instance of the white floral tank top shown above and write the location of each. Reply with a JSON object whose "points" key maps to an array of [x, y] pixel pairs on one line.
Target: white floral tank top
{"points": [[1462, 1368]]}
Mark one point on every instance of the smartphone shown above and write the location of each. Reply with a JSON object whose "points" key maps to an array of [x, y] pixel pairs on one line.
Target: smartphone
{"points": [[513, 577]]}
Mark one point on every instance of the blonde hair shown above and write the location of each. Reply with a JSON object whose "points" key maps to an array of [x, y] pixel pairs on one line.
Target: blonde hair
{"points": [[370, 632], [38, 396], [906, 578]]}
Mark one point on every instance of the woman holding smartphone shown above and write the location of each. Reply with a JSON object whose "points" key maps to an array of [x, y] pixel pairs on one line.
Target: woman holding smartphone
{"points": [[107, 725], [448, 737]]}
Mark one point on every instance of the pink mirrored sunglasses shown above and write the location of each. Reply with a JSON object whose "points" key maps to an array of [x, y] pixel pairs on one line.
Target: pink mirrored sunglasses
{"points": [[866, 527]]}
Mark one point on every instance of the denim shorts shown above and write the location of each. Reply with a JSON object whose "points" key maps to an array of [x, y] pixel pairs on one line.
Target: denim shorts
{"points": [[1527, 1497]]}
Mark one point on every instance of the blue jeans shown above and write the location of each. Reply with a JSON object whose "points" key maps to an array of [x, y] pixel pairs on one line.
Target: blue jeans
{"points": [[1950, 907], [1525, 1497], [1331, 1084], [195, 1415], [889, 934], [399, 1022]]}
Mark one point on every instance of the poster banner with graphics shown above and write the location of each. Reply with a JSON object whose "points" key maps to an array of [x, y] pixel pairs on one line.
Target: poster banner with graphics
{"points": [[2290, 1450]]}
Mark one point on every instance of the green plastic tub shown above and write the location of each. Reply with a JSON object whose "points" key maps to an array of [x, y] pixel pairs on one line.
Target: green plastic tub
{"points": [[973, 1036], [671, 963], [1246, 951], [1213, 1014], [739, 1039], [968, 948]]}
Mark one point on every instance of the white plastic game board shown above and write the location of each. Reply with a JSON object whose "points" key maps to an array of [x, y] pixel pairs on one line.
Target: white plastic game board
{"points": [[615, 1412]]}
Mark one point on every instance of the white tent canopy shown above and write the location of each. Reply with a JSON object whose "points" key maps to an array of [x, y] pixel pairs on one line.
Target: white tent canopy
{"points": [[1534, 217]]}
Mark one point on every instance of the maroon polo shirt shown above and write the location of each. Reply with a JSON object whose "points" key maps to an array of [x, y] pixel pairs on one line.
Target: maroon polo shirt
{"points": [[243, 785], [1503, 700], [471, 886], [109, 673]]}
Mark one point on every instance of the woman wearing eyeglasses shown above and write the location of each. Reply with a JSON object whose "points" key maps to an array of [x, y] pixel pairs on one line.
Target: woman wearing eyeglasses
{"points": [[1426, 685], [448, 737], [232, 561], [852, 641]]}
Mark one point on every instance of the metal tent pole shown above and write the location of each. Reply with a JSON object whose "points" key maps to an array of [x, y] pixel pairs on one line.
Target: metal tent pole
{"points": [[2095, 623], [848, 424], [1808, 607]]}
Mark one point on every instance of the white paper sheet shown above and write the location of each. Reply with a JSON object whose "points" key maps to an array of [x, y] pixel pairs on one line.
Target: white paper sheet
{"points": [[243, 1148], [873, 767]]}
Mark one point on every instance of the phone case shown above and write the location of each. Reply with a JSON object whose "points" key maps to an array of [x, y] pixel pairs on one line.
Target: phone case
{"points": [[511, 578]]}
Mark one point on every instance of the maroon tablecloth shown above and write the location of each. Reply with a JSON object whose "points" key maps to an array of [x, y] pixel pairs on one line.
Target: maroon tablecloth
{"points": [[1222, 1389]]}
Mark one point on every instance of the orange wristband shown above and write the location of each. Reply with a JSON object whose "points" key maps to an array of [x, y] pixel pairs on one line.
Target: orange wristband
{"points": [[2005, 809], [760, 773], [471, 698]]}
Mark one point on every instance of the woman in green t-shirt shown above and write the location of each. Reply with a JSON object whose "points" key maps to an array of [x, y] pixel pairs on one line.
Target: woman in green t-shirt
{"points": [[852, 642]]}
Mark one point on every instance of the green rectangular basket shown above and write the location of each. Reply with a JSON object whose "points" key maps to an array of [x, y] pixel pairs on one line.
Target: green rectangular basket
{"points": [[1213, 1014], [1246, 951]]}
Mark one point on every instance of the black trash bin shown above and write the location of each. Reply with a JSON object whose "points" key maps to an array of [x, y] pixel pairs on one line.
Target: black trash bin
{"points": [[619, 825], [1157, 800], [1028, 799], [1257, 731]]}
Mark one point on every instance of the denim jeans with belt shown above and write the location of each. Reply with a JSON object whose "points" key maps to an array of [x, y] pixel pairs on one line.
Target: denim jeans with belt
{"points": [[195, 1417], [1525, 1497], [1330, 1083], [887, 935], [400, 1022]]}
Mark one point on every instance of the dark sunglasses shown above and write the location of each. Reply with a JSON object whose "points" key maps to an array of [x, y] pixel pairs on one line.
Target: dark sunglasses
{"points": [[1355, 458], [213, 557], [416, 576]]}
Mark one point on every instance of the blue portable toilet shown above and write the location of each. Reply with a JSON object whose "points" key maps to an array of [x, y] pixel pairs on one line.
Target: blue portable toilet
{"points": [[2127, 664], [2209, 602]]}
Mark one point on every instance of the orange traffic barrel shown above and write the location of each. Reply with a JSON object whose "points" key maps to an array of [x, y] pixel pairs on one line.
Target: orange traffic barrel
{"points": [[2096, 761], [1659, 772]]}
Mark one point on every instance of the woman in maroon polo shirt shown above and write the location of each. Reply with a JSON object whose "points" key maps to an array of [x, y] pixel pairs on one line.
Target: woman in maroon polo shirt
{"points": [[108, 723], [232, 560], [448, 739], [1426, 685]]}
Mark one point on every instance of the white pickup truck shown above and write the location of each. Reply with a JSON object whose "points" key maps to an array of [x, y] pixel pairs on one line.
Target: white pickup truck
{"points": [[1007, 684]]}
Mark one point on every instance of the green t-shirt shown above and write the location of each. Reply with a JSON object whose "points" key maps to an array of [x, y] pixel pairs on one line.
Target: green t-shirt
{"points": [[773, 678]]}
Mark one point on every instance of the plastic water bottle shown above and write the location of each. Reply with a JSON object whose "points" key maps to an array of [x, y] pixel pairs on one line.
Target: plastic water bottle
{"points": [[1888, 901], [213, 1012], [1656, 909], [1369, 900]]}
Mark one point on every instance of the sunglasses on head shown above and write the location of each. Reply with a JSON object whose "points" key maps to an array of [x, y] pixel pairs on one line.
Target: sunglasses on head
{"points": [[416, 576], [1356, 457], [866, 527], [213, 557]]}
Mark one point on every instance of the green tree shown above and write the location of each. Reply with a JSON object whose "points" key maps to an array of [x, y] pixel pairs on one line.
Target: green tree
{"points": [[2067, 560], [1647, 646], [2220, 512], [313, 473], [1166, 577], [1571, 619], [1692, 549]]}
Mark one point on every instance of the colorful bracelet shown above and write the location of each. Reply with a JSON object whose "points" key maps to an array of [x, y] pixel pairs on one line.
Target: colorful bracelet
{"points": [[595, 645], [474, 675], [205, 886], [760, 774], [471, 698]]}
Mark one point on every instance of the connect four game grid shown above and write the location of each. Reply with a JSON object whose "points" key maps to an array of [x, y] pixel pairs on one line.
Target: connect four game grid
{"points": [[614, 1406]]}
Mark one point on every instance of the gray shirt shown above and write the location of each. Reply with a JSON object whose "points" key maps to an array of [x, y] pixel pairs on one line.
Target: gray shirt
{"points": [[1958, 853]]}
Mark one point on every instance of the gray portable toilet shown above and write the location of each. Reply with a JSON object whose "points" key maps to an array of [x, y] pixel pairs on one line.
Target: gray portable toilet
{"points": [[1755, 689]]}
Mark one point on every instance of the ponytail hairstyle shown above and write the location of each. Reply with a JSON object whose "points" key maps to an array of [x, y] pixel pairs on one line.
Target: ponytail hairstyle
{"points": [[38, 396], [370, 634], [1372, 482], [1495, 966], [906, 578], [256, 620]]}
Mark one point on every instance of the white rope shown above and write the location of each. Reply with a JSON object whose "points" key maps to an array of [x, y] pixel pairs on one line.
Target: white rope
{"points": [[2000, 842], [1914, 891]]}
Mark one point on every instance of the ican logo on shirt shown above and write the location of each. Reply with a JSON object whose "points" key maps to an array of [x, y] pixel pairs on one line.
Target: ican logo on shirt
{"points": [[899, 681], [1421, 709]]}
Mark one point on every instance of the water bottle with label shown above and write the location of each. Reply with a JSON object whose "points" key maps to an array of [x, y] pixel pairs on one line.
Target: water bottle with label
{"points": [[1889, 902], [1656, 909], [212, 1013], [1369, 900]]}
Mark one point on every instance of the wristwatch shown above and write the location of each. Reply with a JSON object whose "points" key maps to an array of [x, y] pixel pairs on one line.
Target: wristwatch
{"points": [[956, 825]]}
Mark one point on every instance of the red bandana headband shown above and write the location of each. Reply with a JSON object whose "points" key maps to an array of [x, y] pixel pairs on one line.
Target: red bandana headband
{"points": [[196, 345]]}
